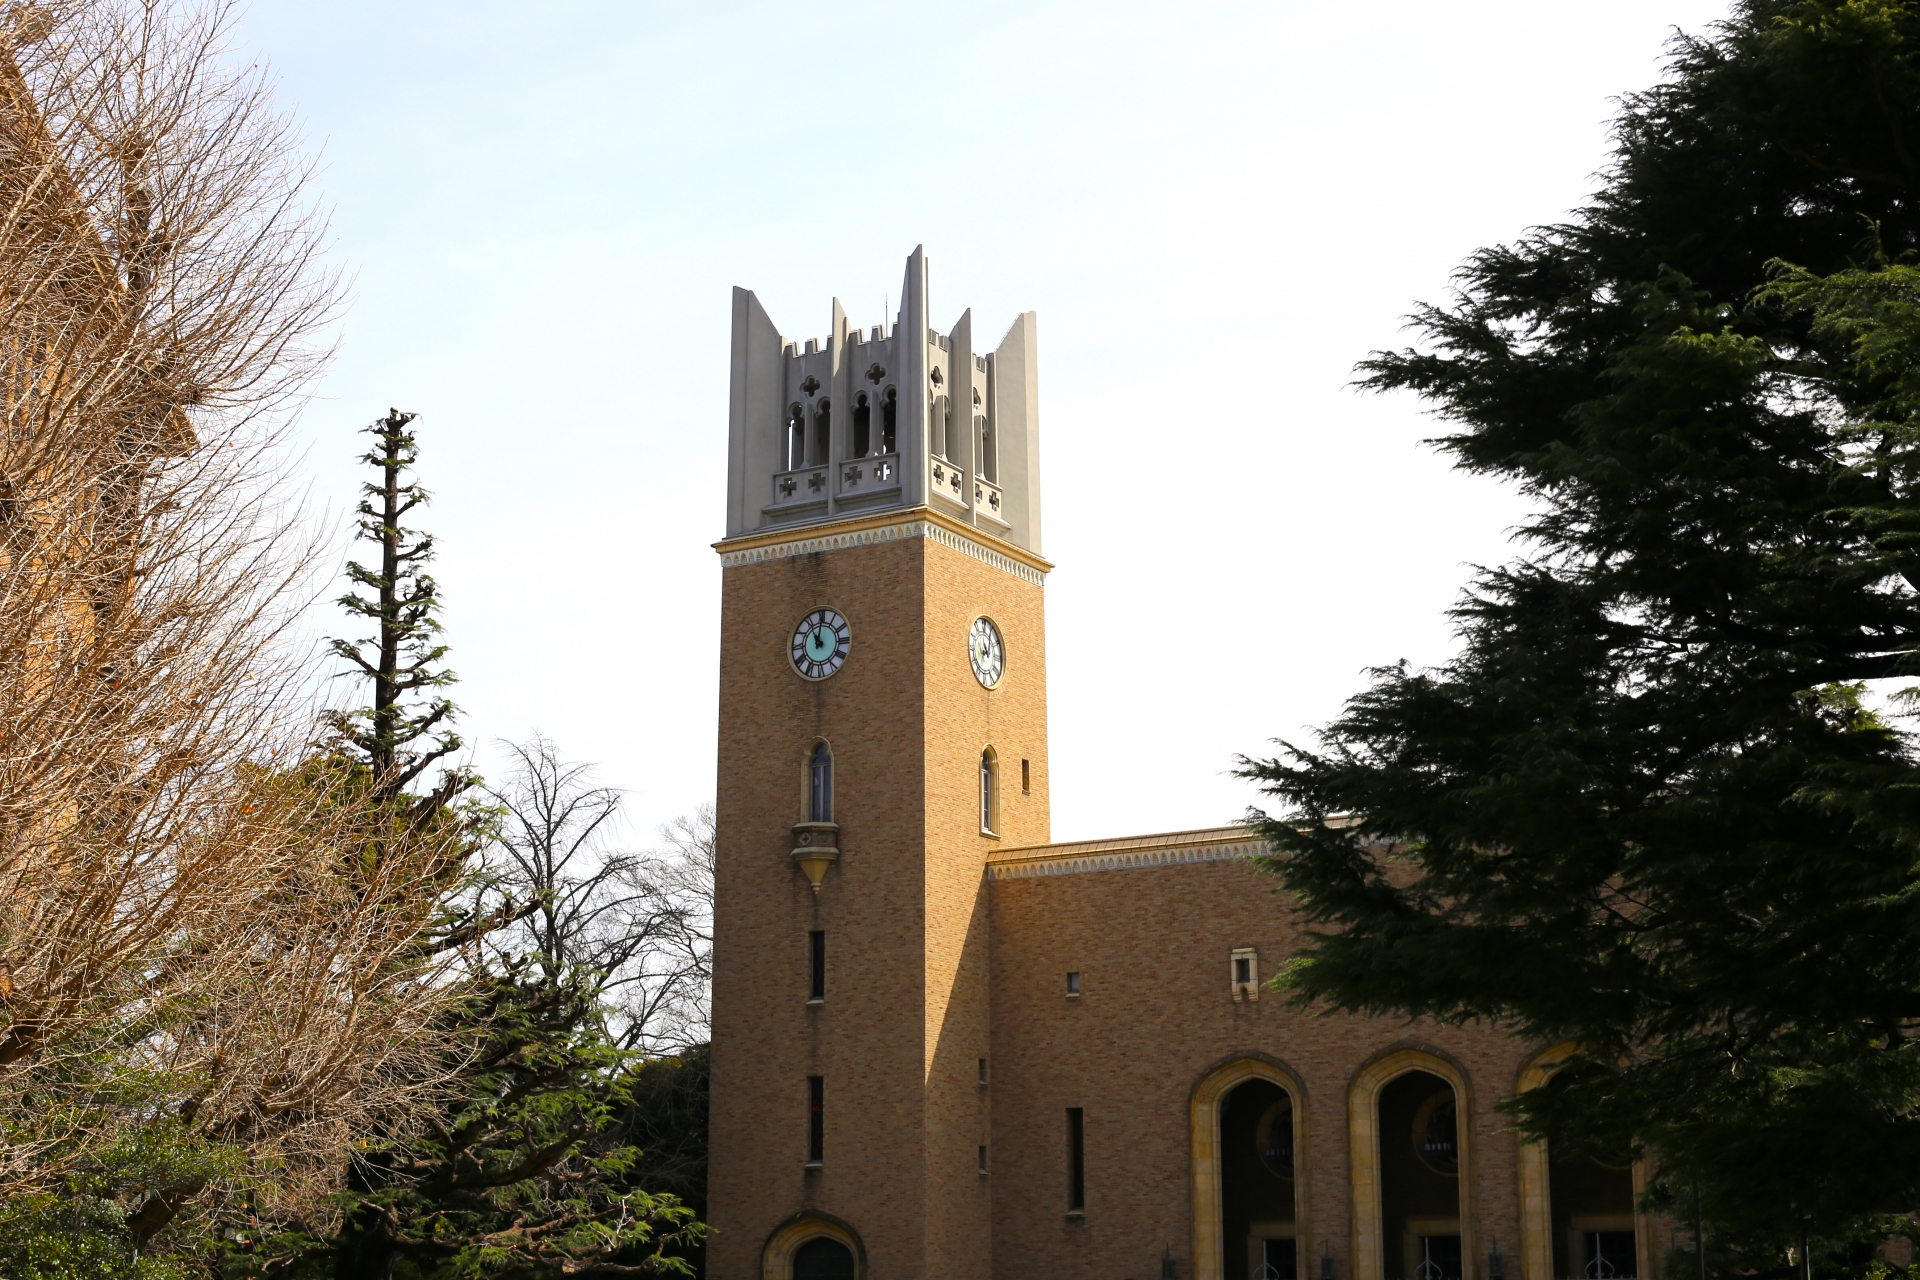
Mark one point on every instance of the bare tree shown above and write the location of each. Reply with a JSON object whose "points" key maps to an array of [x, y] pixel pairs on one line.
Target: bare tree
{"points": [[680, 871], [194, 939], [635, 929]]}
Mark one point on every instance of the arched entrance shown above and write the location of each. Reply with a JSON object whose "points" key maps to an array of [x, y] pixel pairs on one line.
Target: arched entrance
{"points": [[1578, 1212], [814, 1246], [1256, 1183], [1249, 1178], [1420, 1178], [1408, 1118], [823, 1258]]}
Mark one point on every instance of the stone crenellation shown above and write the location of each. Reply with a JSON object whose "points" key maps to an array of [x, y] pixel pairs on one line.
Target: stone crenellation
{"points": [[865, 420]]}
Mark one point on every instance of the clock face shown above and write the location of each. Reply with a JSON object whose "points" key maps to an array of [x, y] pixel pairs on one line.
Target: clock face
{"points": [[820, 644], [986, 652]]}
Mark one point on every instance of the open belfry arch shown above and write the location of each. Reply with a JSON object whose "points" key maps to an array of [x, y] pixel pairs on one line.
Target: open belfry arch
{"points": [[945, 1046], [894, 416]]}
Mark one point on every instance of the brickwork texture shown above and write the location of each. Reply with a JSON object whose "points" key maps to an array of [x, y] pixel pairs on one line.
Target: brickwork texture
{"points": [[932, 967]]}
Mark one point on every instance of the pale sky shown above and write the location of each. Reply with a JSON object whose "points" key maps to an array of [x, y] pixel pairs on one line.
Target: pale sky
{"points": [[1216, 209]]}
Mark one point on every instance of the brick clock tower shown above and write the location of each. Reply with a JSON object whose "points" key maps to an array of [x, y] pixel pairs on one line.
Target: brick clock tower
{"points": [[883, 729]]}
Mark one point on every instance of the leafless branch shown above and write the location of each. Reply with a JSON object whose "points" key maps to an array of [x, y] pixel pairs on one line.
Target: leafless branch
{"points": [[189, 902]]}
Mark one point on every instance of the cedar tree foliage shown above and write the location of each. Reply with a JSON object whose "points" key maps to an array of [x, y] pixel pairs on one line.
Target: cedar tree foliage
{"points": [[1645, 809]]}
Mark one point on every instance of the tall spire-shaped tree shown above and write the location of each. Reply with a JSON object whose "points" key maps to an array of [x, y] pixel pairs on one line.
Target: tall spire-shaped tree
{"points": [[398, 738]]}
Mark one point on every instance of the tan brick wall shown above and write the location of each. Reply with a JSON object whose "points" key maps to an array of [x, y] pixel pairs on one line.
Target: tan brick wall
{"points": [[931, 967], [766, 1038], [962, 719], [906, 1014], [1154, 1017]]}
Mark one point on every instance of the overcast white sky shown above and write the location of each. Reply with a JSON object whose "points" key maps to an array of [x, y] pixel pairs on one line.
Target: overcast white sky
{"points": [[1216, 208]]}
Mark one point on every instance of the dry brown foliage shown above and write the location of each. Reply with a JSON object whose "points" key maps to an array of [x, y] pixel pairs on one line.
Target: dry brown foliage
{"points": [[197, 932]]}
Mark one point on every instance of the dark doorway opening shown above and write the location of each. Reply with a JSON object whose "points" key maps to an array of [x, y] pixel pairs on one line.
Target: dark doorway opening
{"points": [[1278, 1260], [1420, 1178], [1590, 1197], [1439, 1258], [1256, 1183], [823, 1259]]}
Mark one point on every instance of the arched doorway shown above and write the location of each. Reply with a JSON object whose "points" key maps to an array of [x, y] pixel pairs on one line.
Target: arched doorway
{"points": [[1578, 1213], [823, 1258], [813, 1246], [1248, 1115], [1258, 1223], [1409, 1116], [1591, 1199], [1420, 1178]]}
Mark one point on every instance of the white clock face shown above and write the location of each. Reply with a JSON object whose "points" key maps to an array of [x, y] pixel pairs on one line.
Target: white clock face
{"points": [[986, 652], [820, 644]]}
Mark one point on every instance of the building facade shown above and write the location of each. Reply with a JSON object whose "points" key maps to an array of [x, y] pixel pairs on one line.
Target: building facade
{"points": [[944, 1046]]}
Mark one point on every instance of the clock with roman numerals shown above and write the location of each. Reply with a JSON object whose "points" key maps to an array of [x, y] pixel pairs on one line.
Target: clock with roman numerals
{"points": [[986, 652], [820, 644]]}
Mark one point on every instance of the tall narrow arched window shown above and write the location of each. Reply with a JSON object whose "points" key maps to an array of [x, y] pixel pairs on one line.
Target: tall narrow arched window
{"points": [[985, 463], [989, 791], [820, 784], [889, 417], [822, 420], [937, 416], [862, 426], [796, 437]]}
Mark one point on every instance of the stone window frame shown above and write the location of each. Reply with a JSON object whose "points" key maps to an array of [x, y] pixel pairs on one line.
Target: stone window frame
{"points": [[776, 1256], [989, 791], [1250, 989], [1363, 1138], [806, 778], [1536, 1203], [1203, 1114]]}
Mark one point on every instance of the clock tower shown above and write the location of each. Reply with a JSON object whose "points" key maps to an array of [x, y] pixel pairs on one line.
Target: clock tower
{"points": [[882, 731]]}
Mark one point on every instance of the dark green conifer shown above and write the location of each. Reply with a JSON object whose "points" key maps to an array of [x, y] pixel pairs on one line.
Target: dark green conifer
{"points": [[1647, 808], [408, 726]]}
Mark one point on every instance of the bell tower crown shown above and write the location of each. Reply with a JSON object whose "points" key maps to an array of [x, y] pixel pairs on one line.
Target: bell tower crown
{"points": [[869, 420]]}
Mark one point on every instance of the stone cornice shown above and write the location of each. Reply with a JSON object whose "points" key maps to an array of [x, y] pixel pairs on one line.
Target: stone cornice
{"points": [[1214, 844], [887, 526]]}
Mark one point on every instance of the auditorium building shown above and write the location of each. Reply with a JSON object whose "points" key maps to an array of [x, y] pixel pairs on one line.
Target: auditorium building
{"points": [[946, 1048]]}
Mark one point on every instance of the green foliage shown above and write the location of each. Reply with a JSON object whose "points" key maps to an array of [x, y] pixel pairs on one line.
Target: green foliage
{"points": [[1646, 809], [399, 736], [525, 1173], [91, 1228], [666, 1117], [75, 1236]]}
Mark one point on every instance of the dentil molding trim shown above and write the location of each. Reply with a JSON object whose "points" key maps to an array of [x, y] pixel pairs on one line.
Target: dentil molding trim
{"points": [[764, 546], [1069, 861]]}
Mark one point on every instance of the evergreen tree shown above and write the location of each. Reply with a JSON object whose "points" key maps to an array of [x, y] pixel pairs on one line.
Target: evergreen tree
{"points": [[526, 1173], [533, 1166], [399, 738], [1646, 808]]}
